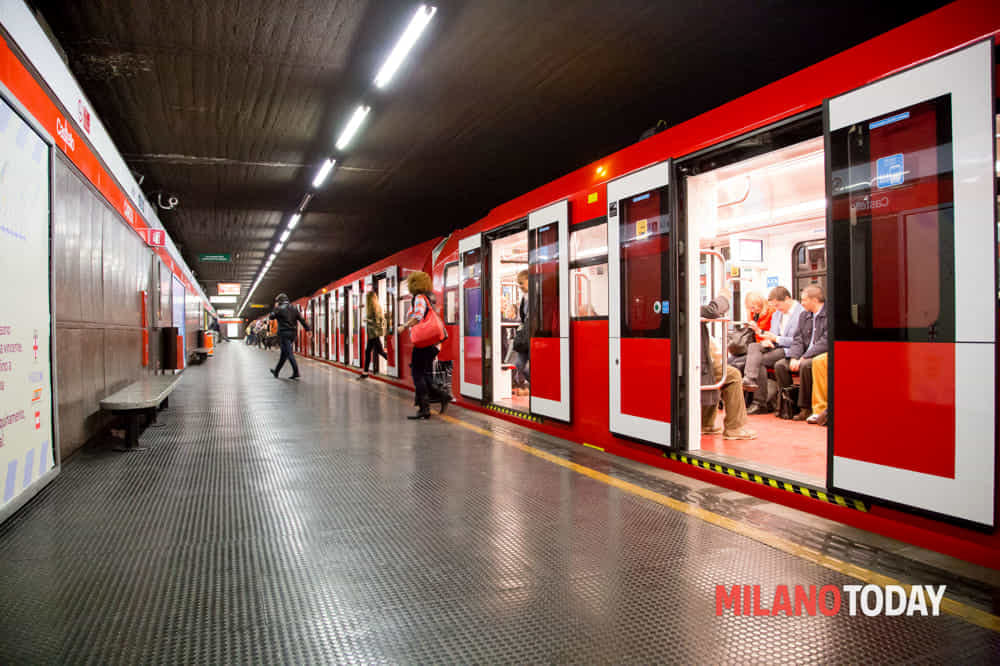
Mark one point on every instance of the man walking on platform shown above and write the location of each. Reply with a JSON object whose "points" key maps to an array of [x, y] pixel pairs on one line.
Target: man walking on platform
{"points": [[288, 318]]}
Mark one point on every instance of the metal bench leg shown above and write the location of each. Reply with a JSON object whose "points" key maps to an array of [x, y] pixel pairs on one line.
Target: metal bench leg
{"points": [[152, 422], [132, 431]]}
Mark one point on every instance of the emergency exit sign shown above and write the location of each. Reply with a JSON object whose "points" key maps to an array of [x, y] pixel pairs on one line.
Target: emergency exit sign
{"points": [[218, 258]]}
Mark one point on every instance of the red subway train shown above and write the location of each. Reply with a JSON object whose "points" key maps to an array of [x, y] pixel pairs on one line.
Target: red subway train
{"points": [[872, 175]]}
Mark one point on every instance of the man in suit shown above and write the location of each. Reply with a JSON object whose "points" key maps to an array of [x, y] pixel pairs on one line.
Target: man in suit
{"points": [[774, 347], [810, 341]]}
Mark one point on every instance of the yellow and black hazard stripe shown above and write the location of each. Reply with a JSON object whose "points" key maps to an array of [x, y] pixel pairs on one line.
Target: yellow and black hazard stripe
{"points": [[781, 484], [516, 414]]}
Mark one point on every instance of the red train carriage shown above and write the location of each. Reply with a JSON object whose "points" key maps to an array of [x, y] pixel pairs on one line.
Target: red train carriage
{"points": [[871, 174]]}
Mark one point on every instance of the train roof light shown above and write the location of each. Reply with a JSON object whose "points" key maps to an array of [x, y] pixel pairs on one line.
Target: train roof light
{"points": [[352, 126], [399, 52], [323, 173]]}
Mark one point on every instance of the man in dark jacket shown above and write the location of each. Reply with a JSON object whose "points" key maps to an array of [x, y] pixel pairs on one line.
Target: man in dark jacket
{"points": [[288, 318], [732, 383], [810, 341]]}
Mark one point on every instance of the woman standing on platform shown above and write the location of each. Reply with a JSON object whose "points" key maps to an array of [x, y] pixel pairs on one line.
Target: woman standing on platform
{"points": [[374, 330], [422, 360]]}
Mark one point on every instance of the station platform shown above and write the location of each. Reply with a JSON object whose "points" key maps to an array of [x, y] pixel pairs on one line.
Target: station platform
{"points": [[273, 521]]}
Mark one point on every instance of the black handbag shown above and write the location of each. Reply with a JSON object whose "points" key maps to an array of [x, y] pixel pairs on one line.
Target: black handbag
{"points": [[788, 402], [741, 340]]}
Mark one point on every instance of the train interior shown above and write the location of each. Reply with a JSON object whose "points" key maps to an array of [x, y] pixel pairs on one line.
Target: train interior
{"points": [[511, 387], [761, 223], [380, 285]]}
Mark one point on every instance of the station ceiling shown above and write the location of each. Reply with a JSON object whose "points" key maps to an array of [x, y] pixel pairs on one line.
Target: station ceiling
{"points": [[231, 106]]}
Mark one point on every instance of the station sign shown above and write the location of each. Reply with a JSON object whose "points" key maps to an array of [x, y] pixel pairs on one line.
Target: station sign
{"points": [[224, 258], [229, 288], [154, 237]]}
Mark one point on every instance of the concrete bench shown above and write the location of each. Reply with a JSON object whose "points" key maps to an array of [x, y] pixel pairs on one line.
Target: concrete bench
{"points": [[139, 399]]}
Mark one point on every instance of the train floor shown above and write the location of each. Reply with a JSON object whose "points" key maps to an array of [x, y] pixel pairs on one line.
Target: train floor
{"points": [[273, 521]]}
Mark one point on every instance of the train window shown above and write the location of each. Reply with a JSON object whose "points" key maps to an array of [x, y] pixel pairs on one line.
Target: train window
{"points": [[404, 297], [544, 261], [451, 293], [809, 265], [472, 265], [893, 225], [588, 264], [645, 265]]}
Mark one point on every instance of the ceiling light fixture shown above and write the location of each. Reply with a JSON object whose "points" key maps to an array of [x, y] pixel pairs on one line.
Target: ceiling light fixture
{"points": [[399, 52], [352, 126], [324, 172], [305, 202], [279, 247], [285, 234], [293, 221]]}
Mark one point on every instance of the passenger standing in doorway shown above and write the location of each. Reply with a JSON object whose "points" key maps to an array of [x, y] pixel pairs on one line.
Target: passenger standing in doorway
{"points": [[731, 390], [288, 318], [810, 341], [422, 359], [520, 351], [374, 330]]}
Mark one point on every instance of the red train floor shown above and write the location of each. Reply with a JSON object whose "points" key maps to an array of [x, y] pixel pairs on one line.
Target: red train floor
{"points": [[794, 448]]}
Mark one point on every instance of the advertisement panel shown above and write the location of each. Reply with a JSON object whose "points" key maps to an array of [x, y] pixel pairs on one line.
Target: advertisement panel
{"points": [[26, 419]]}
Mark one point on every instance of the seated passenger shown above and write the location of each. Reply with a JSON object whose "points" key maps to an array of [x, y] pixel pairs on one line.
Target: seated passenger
{"points": [[810, 341], [774, 346], [758, 315], [732, 393], [819, 405]]}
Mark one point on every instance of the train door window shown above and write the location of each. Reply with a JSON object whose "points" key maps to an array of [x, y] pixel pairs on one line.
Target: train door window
{"points": [[809, 265], [404, 297], [588, 257], [912, 256], [451, 293], [748, 209], [644, 233]]}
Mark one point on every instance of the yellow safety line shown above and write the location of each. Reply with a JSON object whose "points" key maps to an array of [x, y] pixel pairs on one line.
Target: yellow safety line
{"points": [[969, 613]]}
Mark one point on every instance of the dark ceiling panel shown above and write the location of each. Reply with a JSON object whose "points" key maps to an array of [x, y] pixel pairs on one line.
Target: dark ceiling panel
{"points": [[231, 105]]}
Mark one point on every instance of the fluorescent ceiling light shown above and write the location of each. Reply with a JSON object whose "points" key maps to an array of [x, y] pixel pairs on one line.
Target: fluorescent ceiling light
{"points": [[352, 126], [324, 172], [305, 202], [279, 247], [293, 221], [285, 234], [410, 36]]}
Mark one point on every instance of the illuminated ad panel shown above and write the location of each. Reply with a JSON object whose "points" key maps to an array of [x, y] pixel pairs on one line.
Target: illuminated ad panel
{"points": [[26, 420]]}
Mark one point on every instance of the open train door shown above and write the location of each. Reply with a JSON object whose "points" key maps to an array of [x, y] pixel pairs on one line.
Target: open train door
{"points": [[913, 285], [341, 326], [639, 304], [548, 258], [470, 314]]}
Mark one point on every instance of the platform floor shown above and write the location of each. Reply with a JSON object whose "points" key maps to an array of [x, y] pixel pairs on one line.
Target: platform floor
{"points": [[274, 521]]}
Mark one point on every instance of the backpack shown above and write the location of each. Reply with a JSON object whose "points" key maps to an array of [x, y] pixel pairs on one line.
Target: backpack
{"points": [[788, 402]]}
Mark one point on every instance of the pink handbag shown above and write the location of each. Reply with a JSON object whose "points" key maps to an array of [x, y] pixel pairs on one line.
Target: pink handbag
{"points": [[430, 330]]}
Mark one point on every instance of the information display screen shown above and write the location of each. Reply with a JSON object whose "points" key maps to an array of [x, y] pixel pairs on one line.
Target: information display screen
{"points": [[26, 422]]}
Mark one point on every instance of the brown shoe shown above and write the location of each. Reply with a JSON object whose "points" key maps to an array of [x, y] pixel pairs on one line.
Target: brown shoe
{"points": [[714, 430], [749, 385], [802, 415], [742, 433]]}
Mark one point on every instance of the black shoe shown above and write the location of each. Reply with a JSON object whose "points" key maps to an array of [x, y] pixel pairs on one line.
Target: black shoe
{"points": [[757, 408], [422, 414], [295, 376], [363, 375], [802, 415], [274, 372]]}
